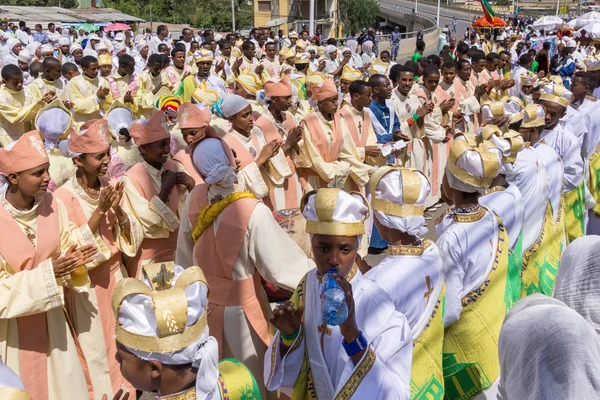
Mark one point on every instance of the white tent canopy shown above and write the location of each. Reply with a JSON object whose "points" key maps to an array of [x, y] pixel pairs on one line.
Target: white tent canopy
{"points": [[592, 30], [551, 22], [585, 19]]}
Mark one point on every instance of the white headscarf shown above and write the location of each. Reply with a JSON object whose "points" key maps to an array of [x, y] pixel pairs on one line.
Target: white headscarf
{"points": [[547, 351], [233, 104], [210, 160], [64, 41], [356, 61], [367, 49], [136, 315], [578, 279], [32, 47]]}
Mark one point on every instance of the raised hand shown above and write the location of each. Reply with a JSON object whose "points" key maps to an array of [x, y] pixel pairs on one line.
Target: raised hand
{"points": [[286, 319]]}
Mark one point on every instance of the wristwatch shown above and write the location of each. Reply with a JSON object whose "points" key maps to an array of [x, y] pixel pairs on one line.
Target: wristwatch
{"points": [[356, 346]]}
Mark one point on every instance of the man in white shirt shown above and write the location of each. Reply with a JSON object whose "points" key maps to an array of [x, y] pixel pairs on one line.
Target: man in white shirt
{"points": [[162, 37], [53, 35]]}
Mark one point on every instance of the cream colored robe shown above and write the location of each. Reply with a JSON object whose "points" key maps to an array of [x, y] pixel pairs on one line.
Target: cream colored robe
{"points": [[334, 173], [17, 112], [81, 91], [37, 291], [361, 167], [45, 86], [267, 249], [144, 98], [87, 315], [405, 107]]}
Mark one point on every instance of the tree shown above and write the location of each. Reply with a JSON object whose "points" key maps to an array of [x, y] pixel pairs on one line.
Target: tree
{"points": [[357, 14], [214, 14]]}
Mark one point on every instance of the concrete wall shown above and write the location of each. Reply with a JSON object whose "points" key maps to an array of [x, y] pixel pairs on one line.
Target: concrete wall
{"points": [[408, 46]]}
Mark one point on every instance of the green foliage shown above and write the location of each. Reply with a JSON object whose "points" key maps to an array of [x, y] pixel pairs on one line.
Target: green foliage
{"points": [[357, 14], [214, 14], [40, 3]]}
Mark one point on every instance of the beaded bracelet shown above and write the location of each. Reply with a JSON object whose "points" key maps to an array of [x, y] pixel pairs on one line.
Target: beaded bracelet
{"points": [[412, 120], [286, 340]]}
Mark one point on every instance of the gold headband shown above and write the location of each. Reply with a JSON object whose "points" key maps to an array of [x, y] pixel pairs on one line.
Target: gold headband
{"points": [[170, 310], [325, 200]]}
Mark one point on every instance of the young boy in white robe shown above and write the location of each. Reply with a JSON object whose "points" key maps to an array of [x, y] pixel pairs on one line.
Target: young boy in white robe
{"points": [[474, 247], [556, 99], [413, 272], [366, 356]]}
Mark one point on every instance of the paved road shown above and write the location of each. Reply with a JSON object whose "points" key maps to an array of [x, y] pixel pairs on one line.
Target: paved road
{"points": [[430, 10]]}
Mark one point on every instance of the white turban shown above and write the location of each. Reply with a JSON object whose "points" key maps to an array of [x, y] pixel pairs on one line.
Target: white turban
{"points": [[46, 48], [233, 104], [10, 43], [64, 41], [210, 160], [52, 124], [32, 47], [25, 56], [140, 45], [390, 189], [578, 279], [547, 351], [330, 49], [136, 315], [74, 47], [119, 118]]}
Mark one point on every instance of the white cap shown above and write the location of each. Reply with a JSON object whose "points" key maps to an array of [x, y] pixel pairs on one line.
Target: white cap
{"points": [[233, 104]]}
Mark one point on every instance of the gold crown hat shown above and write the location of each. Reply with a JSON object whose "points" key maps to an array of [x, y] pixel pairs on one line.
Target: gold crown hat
{"points": [[334, 212], [165, 313], [350, 74], [508, 143], [556, 93], [201, 55], [528, 78], [249, 81], [54, 121], [592, 63], [533, 116], [301, 44], [471, 169], [506, 107], [286, 53], [398, 198], [293, 34], [301, 58]]}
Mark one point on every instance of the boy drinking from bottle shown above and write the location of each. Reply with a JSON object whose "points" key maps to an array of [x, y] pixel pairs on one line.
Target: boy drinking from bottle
{"points": [[369, 354]]}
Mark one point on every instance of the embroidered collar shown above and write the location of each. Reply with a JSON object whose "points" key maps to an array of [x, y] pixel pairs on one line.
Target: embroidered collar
{"points": [[79, 191], [468, 214], [349, 277], [409, 250], [15, 213], [188, 394], [243, 138], [493, 190]]}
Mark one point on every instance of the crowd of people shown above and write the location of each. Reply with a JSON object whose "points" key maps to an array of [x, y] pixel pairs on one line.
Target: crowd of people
{"points": [[170, 208]]}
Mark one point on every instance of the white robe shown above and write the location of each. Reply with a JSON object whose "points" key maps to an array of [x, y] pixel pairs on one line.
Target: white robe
{"points": [[404, 278], [566, 145], [508, 205], [468, 251], [386, 330], [530, 177]]}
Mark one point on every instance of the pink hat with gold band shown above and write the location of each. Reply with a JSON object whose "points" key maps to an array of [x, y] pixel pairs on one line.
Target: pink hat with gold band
{"points": [[192, 116], [25, 153], [278, 87], [152, 130], [92, 137], [324, 90]]}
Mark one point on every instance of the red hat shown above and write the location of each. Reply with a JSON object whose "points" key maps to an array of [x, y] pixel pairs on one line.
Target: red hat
{"points": [[150, 131]]}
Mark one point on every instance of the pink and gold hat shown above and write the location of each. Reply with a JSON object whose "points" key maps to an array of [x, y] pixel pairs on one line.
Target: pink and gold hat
{"points": [[150, 131], [92, 137], [25, 153]]}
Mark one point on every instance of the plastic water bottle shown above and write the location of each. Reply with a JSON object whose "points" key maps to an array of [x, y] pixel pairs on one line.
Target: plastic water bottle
{"points": [[335, 309]]}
